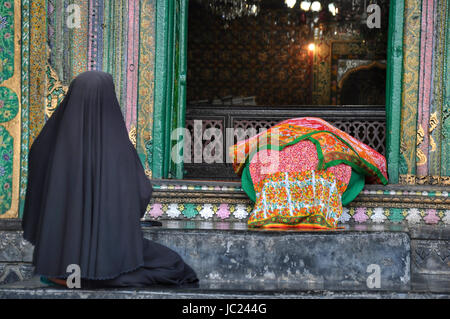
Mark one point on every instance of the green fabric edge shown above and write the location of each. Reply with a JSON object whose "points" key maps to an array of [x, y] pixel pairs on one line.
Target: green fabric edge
{"points": [[247, 184], [355, 186]]}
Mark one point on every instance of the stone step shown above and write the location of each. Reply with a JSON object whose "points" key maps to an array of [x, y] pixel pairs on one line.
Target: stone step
{"points": [[307, 259], [235, 261], [303, 260], [34, 289]]}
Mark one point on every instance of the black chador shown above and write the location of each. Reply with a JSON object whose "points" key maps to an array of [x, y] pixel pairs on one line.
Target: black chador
{"points": [[86, 193]]}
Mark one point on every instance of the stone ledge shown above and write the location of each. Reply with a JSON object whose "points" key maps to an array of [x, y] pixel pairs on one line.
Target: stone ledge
{"points": [[35, 290], [429, 245], [431, 257], [415, 231], [13, 272], [318, 258], [242, 255]]}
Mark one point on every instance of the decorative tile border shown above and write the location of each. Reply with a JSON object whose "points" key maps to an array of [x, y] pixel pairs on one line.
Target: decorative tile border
{"points": [[350, 215], [226, 201], [194, 187], [203, 211], [431, 193], [380, 215]]}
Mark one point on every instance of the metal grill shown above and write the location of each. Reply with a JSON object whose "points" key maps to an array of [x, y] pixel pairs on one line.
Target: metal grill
{"points": [[256, 126], [203, 139], [372, 133]]}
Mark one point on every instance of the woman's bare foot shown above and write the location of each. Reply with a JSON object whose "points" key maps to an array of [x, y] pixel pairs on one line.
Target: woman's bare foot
{"points": [[57, 281]]}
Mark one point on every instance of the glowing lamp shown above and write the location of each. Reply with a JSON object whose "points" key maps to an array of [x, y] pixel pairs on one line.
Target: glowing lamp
{"points": [[332, 8], [316, 6], [305, 5], [290, 3]]}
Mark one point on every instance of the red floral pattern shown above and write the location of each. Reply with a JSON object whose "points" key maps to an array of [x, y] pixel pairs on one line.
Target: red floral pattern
{"points": [[334, 145], [299, 157]]}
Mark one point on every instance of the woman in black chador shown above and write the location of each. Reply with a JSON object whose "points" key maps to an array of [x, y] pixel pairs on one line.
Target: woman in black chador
{"points": [[86, 193]]}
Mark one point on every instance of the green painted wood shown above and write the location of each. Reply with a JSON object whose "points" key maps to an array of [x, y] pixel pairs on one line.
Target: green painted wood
{"points": [[176, 70], [160, 93], [170, 56], [175, 101], [182, 71], [394, 88], [170, 85]]}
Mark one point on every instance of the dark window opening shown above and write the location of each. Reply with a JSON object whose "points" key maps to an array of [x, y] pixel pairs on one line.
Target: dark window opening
{"points": [[248, 70]]}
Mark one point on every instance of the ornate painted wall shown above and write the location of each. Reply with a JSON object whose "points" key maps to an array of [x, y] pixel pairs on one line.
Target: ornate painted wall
{"points": [[43, 47], [10, 101], [425, 124]]}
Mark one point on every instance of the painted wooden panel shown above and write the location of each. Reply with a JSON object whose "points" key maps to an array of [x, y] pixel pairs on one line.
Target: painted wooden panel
{"points": [[61, 39], [10, 107]]}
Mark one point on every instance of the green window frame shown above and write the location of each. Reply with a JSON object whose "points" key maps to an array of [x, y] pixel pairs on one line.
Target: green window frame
{"points": [[170, 85]]}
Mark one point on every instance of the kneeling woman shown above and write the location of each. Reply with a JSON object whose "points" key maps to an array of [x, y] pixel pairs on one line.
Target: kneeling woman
{"points": [[302, 171], [86, 193]]}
